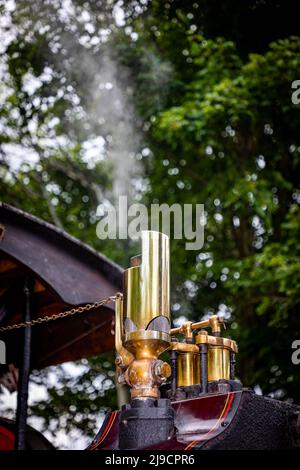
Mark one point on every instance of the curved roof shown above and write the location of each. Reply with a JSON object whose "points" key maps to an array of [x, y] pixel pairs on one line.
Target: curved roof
{"points": [[65, 273]]}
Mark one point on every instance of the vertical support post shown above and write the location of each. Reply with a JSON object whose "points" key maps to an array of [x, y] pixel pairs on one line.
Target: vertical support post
{"points": [[232, 365], [203, 367], [173, 359], [21, 416]]}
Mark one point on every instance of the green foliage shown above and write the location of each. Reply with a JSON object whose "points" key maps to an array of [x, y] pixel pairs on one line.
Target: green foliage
{"points": [[233, 142], [77, 401], [47, 128]]}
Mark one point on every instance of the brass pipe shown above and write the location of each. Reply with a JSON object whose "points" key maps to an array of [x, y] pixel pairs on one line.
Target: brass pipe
{"points": [[214, 322], [119, 323], [146, 317], [124, 357], [147, 283]]}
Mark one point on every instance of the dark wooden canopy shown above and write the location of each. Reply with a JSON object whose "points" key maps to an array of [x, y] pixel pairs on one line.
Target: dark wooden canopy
{"points": [[64, 273]]}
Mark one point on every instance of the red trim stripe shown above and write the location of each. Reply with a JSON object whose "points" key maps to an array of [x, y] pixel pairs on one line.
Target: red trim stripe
{"points": [[224, 413], [106, 430]]}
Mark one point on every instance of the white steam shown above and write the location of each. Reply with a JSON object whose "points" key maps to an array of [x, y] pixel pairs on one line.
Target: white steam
{"points": [[110, 110]]}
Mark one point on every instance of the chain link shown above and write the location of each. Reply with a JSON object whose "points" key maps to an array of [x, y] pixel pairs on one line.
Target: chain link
{"points": [[57, 316]]}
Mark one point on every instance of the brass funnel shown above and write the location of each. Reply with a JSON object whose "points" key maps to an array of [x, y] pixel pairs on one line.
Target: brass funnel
{"points": [[146, 317], [147, 284]]}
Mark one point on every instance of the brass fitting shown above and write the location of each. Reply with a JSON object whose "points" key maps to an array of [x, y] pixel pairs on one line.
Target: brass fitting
{"points": [[143, 326], [215, 325], [214, 322], [124, 357], [188, 364], [218, 352], [218, 355], [145, 376], [187, 331], [188, 369]]}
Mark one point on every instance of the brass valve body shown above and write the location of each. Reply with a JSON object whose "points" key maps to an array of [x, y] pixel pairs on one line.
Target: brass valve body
{"points": [[188, 369], [145, 376], [218, 363], [218, 355]]}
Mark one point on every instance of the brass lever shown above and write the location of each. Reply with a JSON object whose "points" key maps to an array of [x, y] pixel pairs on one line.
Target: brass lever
{"points": [[214, 322]]}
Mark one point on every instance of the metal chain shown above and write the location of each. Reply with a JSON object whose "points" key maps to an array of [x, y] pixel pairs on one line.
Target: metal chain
{"points": [[57, 316]]}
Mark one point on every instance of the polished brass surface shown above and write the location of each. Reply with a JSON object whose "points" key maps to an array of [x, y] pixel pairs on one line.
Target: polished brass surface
{"points": [[142, 331], [214, 322], [218, 361], [187, 331], [146, 335], [227, 343], [124, 357], [146, 344], [132, 295], [144, 376], [188, 363], [163, 370], [119, 323], [155, 275], [146, 286], [218, 355], [188, 369], [184, 347], [146, 297]]}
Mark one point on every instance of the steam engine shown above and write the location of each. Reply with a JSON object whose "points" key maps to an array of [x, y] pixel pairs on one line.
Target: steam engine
{"points": [[184, 394]]}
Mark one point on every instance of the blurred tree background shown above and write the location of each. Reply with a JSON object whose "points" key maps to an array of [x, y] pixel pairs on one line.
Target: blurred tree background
{"points": [[169, 102]]}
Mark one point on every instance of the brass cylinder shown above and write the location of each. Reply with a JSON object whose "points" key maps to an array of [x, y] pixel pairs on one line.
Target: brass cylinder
{"points": [[132, 294], [146, 299], [188, 369], [218, 363], [146, 287]]}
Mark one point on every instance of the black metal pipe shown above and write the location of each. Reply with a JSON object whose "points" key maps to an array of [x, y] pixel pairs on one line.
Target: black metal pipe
{"points": [[203, 367], [232, 365], [173, 360], [21, 416]]}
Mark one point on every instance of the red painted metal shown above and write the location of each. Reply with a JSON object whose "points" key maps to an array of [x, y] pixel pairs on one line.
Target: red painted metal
{"points": [[196, 421], [34, 439], [7, 439]]}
